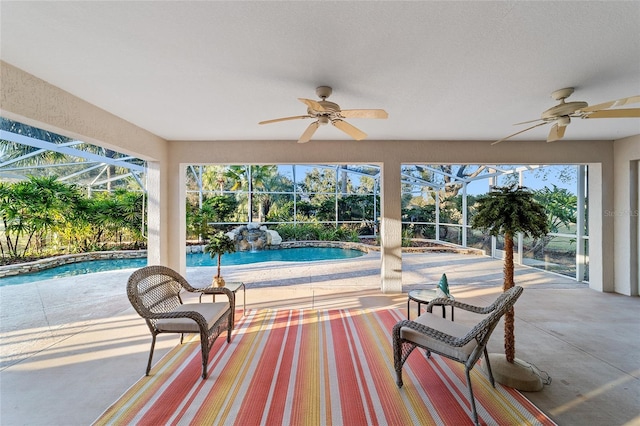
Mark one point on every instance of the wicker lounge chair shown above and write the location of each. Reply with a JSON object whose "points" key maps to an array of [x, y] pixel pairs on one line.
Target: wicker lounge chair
{"points": [[154, 292], [452, 340]]}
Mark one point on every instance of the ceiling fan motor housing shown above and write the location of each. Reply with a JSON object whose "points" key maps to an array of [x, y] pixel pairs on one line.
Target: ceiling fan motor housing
{"points": [[330, 110], [563, 109], [330, 106]]}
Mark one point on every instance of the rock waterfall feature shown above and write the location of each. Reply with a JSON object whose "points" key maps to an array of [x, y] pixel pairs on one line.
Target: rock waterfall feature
{"points": [[255, 237]]}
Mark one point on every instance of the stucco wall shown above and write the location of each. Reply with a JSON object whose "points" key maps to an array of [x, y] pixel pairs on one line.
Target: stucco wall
{"points": [[35, 102], [625, 213]]}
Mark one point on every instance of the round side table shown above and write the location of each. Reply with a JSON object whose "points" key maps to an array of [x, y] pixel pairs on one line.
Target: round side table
{"points": [[234, 287], [424, 296]]}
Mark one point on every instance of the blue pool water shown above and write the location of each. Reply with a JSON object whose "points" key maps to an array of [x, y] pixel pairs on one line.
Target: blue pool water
{"points": [[306, 254]]}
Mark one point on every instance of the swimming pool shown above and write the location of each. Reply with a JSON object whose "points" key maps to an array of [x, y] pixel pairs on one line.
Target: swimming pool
{"points": [[304, 254]]}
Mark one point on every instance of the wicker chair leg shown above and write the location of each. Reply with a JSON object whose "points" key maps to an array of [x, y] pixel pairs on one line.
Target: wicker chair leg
{"points": [[204, 343], [398, 366], [397, 355], [399, 381], [153, 344], [230, 327], [471, 398], [486, 358]]}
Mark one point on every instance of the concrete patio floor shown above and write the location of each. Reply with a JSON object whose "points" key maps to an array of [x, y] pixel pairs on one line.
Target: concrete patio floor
{"points": [[70, 347]]}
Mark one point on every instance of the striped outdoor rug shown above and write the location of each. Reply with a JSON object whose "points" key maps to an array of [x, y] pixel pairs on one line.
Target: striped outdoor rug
{"points": [[313, 367]]}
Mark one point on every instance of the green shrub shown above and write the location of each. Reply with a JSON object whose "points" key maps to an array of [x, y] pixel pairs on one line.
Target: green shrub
{"points": [[316, 231], [407, 235]]}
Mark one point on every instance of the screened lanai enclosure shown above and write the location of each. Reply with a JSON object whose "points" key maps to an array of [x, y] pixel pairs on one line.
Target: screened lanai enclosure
{"points": [[437, 199]]}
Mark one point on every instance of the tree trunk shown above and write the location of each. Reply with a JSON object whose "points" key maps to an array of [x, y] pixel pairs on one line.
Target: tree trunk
{"points": [[219, 261], [509, 335]]}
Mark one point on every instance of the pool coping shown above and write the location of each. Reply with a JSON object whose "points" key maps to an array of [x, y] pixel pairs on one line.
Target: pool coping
{"points": [[54, 261], [65, 259]]}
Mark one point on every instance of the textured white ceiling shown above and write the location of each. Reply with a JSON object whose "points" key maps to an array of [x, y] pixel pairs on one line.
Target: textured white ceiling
{"points": [[210, 70]]}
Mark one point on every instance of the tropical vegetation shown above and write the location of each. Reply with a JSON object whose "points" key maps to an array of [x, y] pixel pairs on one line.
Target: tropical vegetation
{"points": [[42, 216]]}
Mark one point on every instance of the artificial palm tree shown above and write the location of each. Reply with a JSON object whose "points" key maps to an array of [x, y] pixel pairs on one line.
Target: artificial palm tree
{"points": [[508, 211], [219, 244]]}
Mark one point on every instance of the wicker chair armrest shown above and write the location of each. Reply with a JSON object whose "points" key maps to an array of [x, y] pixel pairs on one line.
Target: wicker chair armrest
{"points": [[452, 302], [220, 290], [207, 290], [432, 332], [215, 290]]}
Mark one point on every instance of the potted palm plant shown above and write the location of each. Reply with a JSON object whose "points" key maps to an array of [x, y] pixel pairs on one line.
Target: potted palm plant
{"points": [[219, 244], [508, 211]]}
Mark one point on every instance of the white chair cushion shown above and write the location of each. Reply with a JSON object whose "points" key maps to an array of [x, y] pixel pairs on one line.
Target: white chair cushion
{"points": [[436, 322], [210, 311]]}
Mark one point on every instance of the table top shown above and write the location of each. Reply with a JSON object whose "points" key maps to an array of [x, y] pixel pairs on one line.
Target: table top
{"points": [[422, 295], [231, 285]]}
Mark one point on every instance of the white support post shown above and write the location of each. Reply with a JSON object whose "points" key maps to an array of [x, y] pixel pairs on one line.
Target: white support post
{"points": [[391, 229], [156, 211], [581, 258], [176, 224], [601, 228]]}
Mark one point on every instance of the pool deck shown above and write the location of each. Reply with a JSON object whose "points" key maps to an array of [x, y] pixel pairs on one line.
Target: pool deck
{"points": [[71, 346]]}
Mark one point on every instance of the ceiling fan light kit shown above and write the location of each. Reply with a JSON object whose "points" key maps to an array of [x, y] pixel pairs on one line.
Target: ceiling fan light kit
{"points": [[326, 112], [561, 114]]}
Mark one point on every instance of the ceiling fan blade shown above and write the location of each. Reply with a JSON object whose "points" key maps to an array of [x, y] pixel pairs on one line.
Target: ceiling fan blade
{"points": [[607, 105], [364, 113], [615, 113], [352, 131], [314, 105], [556, 133], [527, 122], [517, 133], [311, 129], [284, 119]]}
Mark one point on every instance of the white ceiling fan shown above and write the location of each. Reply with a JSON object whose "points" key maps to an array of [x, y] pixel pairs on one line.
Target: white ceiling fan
{"points": [[326, 112], [561, 114]]}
